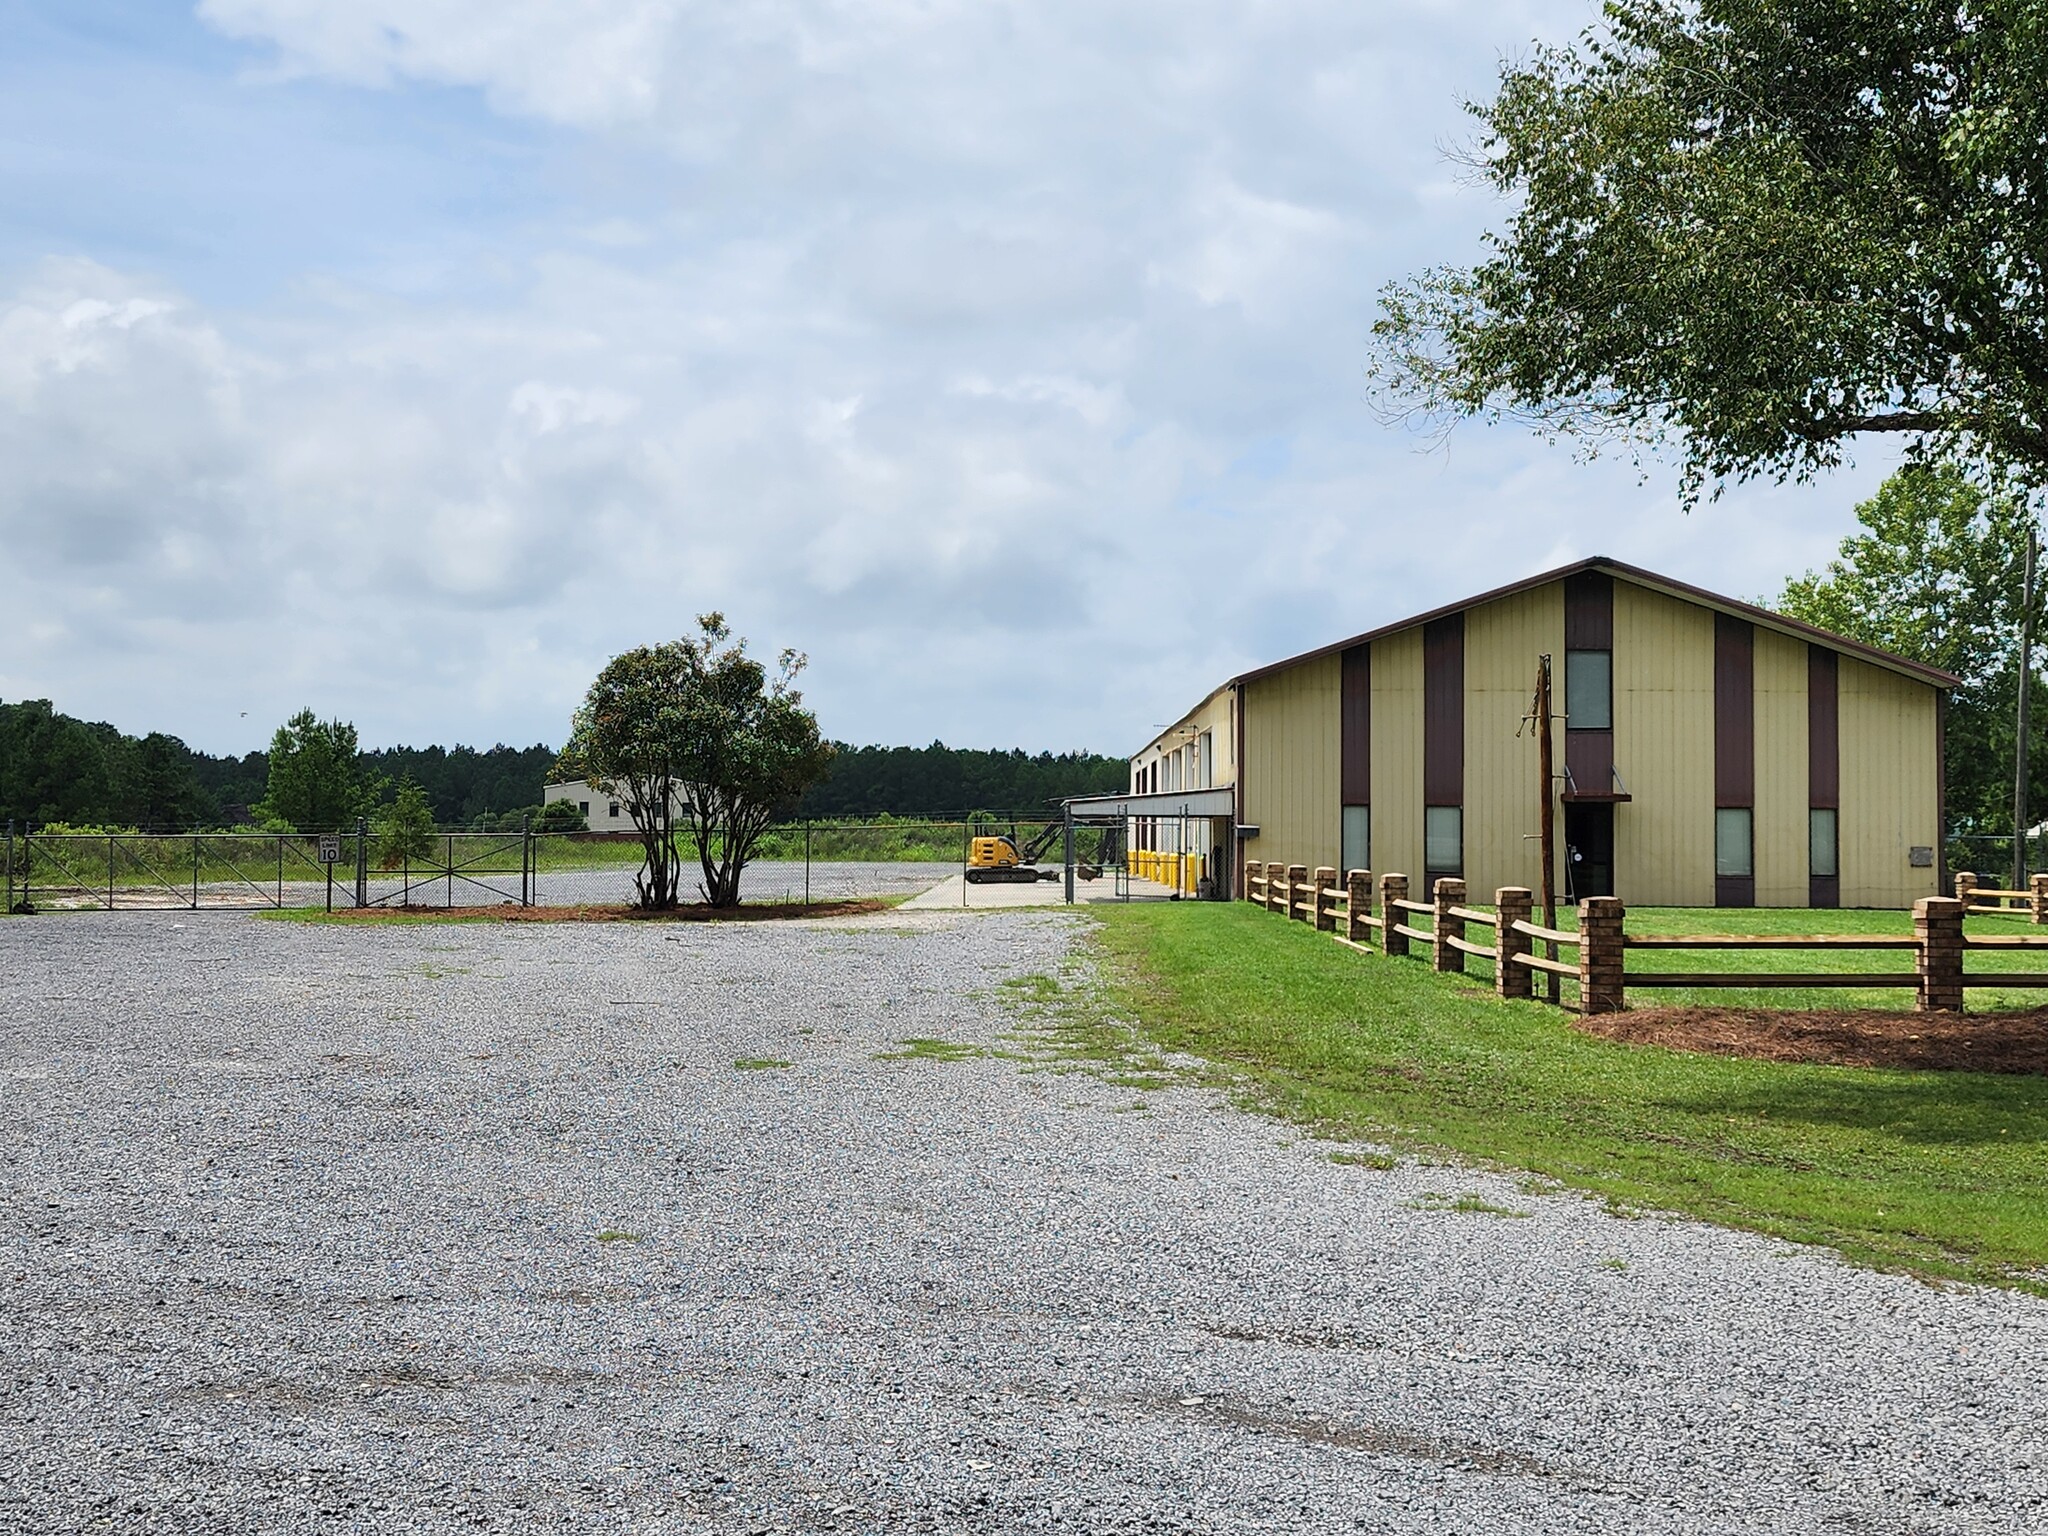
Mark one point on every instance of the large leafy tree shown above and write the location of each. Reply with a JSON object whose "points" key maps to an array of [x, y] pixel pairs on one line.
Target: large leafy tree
{"points": [[1936, 575], [316, 780], [697, 729], [1760, 228]]}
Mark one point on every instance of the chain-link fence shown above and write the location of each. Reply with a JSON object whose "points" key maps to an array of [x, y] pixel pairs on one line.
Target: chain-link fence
{"points": [[809, 863]]}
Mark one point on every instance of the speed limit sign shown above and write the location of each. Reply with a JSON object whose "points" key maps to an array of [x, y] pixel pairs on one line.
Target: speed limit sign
{"points": [[330, 848]]}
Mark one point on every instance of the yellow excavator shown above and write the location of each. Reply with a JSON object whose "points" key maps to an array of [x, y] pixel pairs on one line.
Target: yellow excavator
{"points": [[1001, 859]]}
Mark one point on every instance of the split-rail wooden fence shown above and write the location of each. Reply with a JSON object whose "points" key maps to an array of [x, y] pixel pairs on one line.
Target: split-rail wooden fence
{"points": [[1349, 913]]}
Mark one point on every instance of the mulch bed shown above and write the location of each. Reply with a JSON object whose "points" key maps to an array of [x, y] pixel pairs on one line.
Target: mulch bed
{"points": [[696, 912], [2014, 1041]]}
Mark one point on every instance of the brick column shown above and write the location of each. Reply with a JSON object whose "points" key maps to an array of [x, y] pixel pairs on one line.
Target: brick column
{"points": [[1297, 882], [1358, 887], [1512, 904], [2037, 885], [1324, 914], [1449, 892], [1601, 954], [1393, 888], [1938, 963], [1966, 881]]}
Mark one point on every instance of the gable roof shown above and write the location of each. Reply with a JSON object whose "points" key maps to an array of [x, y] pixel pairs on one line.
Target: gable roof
{"points": [[1763, 618]]}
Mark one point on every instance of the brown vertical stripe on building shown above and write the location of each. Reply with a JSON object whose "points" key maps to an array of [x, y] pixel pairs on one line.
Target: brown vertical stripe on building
{"points": [[1735, 741], [1357, 726], [1443, 711], [1589, 611], [1823, 728], [1734, 712], [1237, 782]]}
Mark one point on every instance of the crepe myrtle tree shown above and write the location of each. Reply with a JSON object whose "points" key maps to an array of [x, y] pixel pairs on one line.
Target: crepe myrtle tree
{"points": [[1756, 229], [699, 730]]}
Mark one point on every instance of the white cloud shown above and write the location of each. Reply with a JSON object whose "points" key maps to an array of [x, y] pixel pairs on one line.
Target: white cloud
{"points": [[1005, 358]]}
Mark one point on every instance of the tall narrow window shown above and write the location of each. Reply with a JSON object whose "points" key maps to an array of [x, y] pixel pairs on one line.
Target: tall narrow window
{"points": [[1734, 855], [1205, 754], [1443, 839], [1822, 843], [1357, 837], [1589, 693]]}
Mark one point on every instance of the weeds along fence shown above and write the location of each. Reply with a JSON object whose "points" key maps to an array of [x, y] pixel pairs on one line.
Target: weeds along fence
{"points": [[1601, 943], [147, 871]]}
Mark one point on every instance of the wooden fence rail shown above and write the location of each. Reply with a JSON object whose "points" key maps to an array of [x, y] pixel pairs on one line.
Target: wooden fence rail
{"points": [[1345, 911]]}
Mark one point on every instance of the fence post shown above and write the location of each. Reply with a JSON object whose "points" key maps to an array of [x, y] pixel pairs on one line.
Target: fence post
{"points": [[1601, 953], [1276, 888], [195, 871], [1966, 881], [10, 864], [526, 861], [1358, 906], [2037, 887], [1326, 885], [363, 862], [1512, 904], [1393, 890], [1938, 963], [1448, 892], [1297, 882]]}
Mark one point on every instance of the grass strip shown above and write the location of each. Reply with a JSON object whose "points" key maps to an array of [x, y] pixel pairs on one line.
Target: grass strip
{"points": [[1940, 1174]]}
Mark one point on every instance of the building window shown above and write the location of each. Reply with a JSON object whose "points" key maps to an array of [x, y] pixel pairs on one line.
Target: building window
{"points": [[583, 807], [1822, 843], [614, 811], [1443, 839], [1589, 690], [1733, 856], [1357, 838]]}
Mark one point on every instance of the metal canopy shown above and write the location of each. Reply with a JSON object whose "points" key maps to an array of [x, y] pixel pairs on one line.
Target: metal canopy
{"points": [[1192, 803]]}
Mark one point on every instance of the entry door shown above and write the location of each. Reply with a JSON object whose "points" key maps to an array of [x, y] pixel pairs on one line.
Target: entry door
{"points": [[1589, 851]]}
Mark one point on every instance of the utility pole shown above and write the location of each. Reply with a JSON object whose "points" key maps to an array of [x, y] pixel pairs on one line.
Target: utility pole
{"points": [[2019, 749], [1545, 769]]}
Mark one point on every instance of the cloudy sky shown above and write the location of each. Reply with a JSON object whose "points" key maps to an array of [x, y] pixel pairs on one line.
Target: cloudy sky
{"points": [[410, 358]]}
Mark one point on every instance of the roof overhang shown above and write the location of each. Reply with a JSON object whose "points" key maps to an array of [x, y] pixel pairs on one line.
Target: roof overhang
{"points": [[1763, 617], [1210, 803]]}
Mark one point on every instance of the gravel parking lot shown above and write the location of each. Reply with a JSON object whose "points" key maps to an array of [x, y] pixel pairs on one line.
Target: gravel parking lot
{"points": [[524, 1228]]}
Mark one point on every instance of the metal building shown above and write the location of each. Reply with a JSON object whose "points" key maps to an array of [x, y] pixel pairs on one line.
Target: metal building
{"points": [[1707, 752]]}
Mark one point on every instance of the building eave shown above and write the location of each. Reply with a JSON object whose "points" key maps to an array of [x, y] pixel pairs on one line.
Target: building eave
{"points": [[1637, 576]]}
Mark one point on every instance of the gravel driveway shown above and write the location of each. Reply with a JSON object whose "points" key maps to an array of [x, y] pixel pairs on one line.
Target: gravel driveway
{"points": [[448, 1228]]}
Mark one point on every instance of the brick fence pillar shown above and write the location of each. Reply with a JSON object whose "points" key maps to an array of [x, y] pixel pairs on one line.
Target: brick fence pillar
{"points": [[2037, 886], [1297, 882], [1358, 906], [1601, 953], [1324, 914], [1938, 963], [1276, 888], [1448, 892], [1966, 881], [1512, 904], [1393, 888]]}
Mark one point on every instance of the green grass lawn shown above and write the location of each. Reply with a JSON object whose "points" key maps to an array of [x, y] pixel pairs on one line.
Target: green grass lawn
{"points": [[1941, 1173]]}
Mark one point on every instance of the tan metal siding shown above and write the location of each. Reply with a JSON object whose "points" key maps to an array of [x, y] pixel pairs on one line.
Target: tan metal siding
{"points": [[1781, 803], [1397, 755], [1293, 762], [1888, 785], [1664, 748], [1502, 643]]}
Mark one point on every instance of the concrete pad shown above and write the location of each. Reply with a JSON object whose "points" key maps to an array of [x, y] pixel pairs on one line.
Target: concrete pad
{"points": [[1039, 893]]}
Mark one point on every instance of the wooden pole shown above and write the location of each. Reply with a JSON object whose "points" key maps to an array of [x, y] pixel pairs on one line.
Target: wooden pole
{"points": [[1546, 816], [2019, 750]]}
